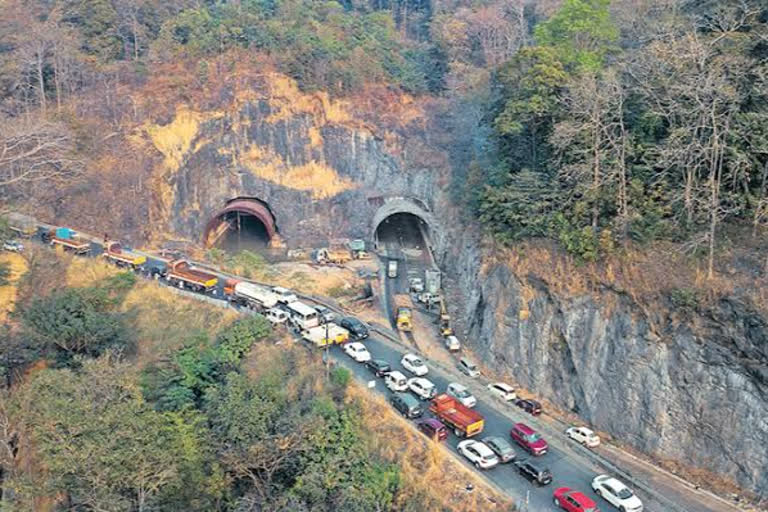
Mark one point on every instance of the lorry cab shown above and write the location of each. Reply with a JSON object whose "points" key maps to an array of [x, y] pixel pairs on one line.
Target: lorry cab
{"points": [[277, 316], [392, 269], [396, 381]]}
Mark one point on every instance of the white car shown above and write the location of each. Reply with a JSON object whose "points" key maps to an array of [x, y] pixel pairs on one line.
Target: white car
{"points": [[422, 388], [396, 381], [452, 343], [462, 394], [284, 295], [468, 368], [13, 246], [503, 391], [584, 436], [276, 316], [357, 351], [414, 364], [616, 493], [478, 454]]}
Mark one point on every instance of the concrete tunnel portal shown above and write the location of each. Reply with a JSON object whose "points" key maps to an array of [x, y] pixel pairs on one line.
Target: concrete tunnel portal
{"points": [[403, 224], [242, 224]]}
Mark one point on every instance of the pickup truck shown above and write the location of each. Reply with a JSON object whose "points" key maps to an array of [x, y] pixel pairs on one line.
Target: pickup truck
{"points": [[115, 253], [464, 421], [327, 334], [184, 275]]}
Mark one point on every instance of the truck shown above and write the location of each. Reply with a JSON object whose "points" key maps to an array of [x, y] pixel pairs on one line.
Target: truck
{"points": [[445, 320], [464, 421], [403, 312], [432, 280], [22, 225], [323, 335], [182, 274], [254, 296], [336, 256], [357, 248], [121, 256], [69, 240]]}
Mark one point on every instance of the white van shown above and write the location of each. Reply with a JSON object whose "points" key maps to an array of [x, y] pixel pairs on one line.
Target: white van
{"points": [[284, 296], [396, 381], [392, 269], [276, 316], [303, 316]]}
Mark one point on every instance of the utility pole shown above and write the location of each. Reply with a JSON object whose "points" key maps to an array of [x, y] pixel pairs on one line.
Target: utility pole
{"points": [[327, 354]]}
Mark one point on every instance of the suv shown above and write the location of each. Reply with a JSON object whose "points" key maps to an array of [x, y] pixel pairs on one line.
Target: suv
{"points": [[355, 327], [532, 407], [462, 394], [533, 472], [284, 295], [433, 429], [529, 439], [324, 314], [378, 367], [501, 448], [469, 368], [396, 381], [406, 405]]}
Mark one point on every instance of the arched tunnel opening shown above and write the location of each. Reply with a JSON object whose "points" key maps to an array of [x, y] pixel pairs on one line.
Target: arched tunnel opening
{"points": [[243, 224], [403, 231]]}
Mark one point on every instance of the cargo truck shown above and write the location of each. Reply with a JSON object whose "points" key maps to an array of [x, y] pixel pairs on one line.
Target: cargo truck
{"points": [[69, 240], [254, 296], [403, 312], [182, 274], [464, 421], [122, 257], [326, 334]]}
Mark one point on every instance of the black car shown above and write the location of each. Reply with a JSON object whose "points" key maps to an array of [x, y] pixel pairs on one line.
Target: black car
{"points": [[355, 327], [535, 473], [378, 367], [406, 405], [532, 407]]}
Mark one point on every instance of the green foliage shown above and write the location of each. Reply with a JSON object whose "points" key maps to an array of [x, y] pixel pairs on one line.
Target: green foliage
{"points": [[340, 377], [236, 340], [5, 273], [78, 321], [5, 230], [684, 299], [582, 242], [581, 32]]}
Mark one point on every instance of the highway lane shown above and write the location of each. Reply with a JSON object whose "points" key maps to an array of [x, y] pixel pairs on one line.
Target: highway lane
{"points": [[568, 469]]}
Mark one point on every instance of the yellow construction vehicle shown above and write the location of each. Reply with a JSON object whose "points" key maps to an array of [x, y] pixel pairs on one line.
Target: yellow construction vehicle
{"points": [[445, 320]]}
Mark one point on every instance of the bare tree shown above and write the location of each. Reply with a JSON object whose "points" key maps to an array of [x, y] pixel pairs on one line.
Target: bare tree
{"points": [[34, 149]]}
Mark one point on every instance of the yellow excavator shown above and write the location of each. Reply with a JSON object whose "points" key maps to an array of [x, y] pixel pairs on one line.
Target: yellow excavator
{"points": [[445, 320]]}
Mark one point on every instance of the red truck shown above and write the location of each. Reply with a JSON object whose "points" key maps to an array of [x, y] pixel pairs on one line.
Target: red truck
{"points": [[464, 421], [184, 275]]}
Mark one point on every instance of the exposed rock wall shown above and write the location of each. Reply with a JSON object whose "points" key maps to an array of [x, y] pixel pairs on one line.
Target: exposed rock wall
{"points": [[691, 388]]}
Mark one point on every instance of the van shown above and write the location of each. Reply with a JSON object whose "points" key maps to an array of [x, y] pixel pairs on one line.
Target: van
{"points": [[392, 269], [303, 316], [396, 381], [406, 405]]}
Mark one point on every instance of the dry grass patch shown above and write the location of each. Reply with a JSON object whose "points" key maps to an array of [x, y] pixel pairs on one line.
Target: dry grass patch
{"points": [[82, 272], [164, 319], [427, 470], [18, 266]]}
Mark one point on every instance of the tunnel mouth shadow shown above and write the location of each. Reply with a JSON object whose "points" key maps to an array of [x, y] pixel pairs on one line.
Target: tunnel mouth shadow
{"points": [[404, 229], [243, 224]]}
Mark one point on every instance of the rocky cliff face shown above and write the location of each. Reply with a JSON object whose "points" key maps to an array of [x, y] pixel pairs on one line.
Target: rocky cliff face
{"points": [[322, 171], [687, 387]]}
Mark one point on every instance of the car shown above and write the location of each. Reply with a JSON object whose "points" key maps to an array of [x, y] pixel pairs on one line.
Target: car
{"points": [[276, 316], [414, 364], [503, 391], [501, 448], [406, 405], [433, 429], [325, 315], [529, 439], [478, 454], [284, 295], [462, 394], [616, 493], [356, 328], [392, 269], [378, 367], [468, 368], [416, 284], [573, 501], [534, 472], [13, 246], [584, 436], [357, 351], [532, 407], [452, 343], [396, 381], [422, 388]]}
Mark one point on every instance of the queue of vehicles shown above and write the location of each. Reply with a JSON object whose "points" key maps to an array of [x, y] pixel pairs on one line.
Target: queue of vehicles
{"points": [[450, 410]]}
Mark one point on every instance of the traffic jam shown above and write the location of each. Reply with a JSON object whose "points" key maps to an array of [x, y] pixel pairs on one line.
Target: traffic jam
{"points": [[444, 411]]}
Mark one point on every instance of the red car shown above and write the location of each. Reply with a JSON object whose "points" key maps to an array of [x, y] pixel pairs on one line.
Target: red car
{"points": [[529, 439], [433, 429], [573, 501]]}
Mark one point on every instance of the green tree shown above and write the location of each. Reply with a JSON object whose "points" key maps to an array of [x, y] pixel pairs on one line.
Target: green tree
{"points": [[234, 341]]}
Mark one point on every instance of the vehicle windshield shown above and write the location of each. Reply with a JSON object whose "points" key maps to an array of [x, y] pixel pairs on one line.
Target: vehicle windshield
{"points": [[471, 366], [625, 494], [533, 437], [463, 393], [416, 362]]}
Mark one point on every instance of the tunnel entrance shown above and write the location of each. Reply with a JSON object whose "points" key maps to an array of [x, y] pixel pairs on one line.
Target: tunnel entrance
{"points": [[243, 224], [402, 231]]}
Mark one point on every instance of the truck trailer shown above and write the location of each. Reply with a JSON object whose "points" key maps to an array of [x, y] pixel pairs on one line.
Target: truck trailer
{"points": [[69, 240], [254, 296], [122, 257], [464, 421], [184, 275], [326, 334]]}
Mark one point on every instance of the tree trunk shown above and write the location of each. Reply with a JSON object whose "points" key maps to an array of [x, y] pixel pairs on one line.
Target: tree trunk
{"points": [[595, 175], [40, 77]]}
